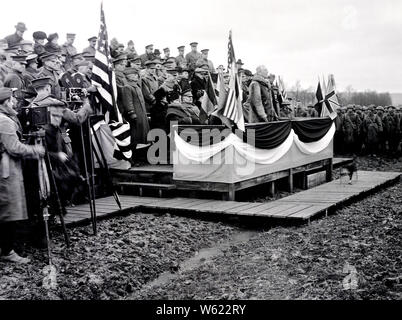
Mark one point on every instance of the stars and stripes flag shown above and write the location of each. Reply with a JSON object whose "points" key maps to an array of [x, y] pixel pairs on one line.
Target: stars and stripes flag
{"points": [[233, 109], [104, 79]]}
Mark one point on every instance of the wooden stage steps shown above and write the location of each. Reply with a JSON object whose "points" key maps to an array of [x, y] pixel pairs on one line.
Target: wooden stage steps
{"points": [[299, 206]]}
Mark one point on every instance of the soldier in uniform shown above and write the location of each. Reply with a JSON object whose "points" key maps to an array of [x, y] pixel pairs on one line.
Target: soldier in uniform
{"points": [[16, 79], [181, 61], [351, 130], [17, 37], [192, 57], [204, 61], [381, 135], [359, 137], [135, 112], [185, 112], [198, 84], [12, 192], [134, 61], [148, 55], [50, 68], [392, 130], [150, 84], [371, 127], [259, 107], [69, 49], [338, 137], [166, 52], [91, 50], [31, 70]]}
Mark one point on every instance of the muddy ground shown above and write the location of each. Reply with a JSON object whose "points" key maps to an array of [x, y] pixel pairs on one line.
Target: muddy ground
{"points": [[353, 254]]}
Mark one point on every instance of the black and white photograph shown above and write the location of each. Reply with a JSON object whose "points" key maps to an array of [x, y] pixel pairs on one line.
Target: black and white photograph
{"points": [[202, 154]]}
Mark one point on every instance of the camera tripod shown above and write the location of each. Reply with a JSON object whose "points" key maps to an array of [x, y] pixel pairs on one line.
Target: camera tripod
{"points": [[47, 182]]}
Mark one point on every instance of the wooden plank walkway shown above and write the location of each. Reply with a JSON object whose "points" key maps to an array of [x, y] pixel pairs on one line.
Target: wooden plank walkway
{"points": [[299, 206]]}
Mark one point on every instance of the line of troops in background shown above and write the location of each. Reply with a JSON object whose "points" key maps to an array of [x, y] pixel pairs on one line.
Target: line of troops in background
{"points": [[171, 88]]}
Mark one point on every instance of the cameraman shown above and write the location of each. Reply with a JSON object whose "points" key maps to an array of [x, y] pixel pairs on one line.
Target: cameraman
{"points": [[43, 87], [12, 193]]}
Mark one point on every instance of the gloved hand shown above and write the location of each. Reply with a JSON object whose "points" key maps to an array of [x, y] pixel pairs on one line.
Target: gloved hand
{"points": [[39, 150], [62, 156]]}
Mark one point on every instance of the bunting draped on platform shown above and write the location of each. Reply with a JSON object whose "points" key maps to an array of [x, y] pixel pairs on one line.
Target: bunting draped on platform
{"points": [[268, 135], [251, 153], [265, 135], [310, 130], [317, 146]]}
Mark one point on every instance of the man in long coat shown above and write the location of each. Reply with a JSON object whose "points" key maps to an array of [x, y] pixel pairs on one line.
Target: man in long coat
{"points": [[135, 111], [259, 107], [12, 193], [149, 84]]}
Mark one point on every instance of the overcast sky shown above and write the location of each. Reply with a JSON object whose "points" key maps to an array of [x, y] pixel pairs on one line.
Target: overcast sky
{"points": [[358, 41]]}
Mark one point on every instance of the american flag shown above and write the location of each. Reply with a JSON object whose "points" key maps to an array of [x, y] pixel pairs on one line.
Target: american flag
{"points": [[103, 77], [233, 109]]}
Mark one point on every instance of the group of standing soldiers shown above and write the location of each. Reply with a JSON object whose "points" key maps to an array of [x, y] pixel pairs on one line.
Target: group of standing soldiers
{"points": [[368, 130]]}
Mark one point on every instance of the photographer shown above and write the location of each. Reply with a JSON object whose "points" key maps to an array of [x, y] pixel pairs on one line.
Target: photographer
{"points": [[43, 87], [12, 193]]}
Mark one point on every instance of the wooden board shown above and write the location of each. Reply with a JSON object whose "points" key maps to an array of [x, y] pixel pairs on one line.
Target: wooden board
{"points": [[299, 206]]}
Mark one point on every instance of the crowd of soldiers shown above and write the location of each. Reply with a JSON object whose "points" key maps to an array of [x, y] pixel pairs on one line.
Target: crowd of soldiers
{"points": [[153, 90], [368, 130]]}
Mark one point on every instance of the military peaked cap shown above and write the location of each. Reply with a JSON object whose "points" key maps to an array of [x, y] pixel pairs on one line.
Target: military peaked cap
{"points": [[120, 57], [19, 58], [41, 82], [48, 56], [93, 38]]}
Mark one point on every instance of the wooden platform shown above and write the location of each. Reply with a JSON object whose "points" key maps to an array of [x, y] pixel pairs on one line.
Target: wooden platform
{"points": [[300, 206]]}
